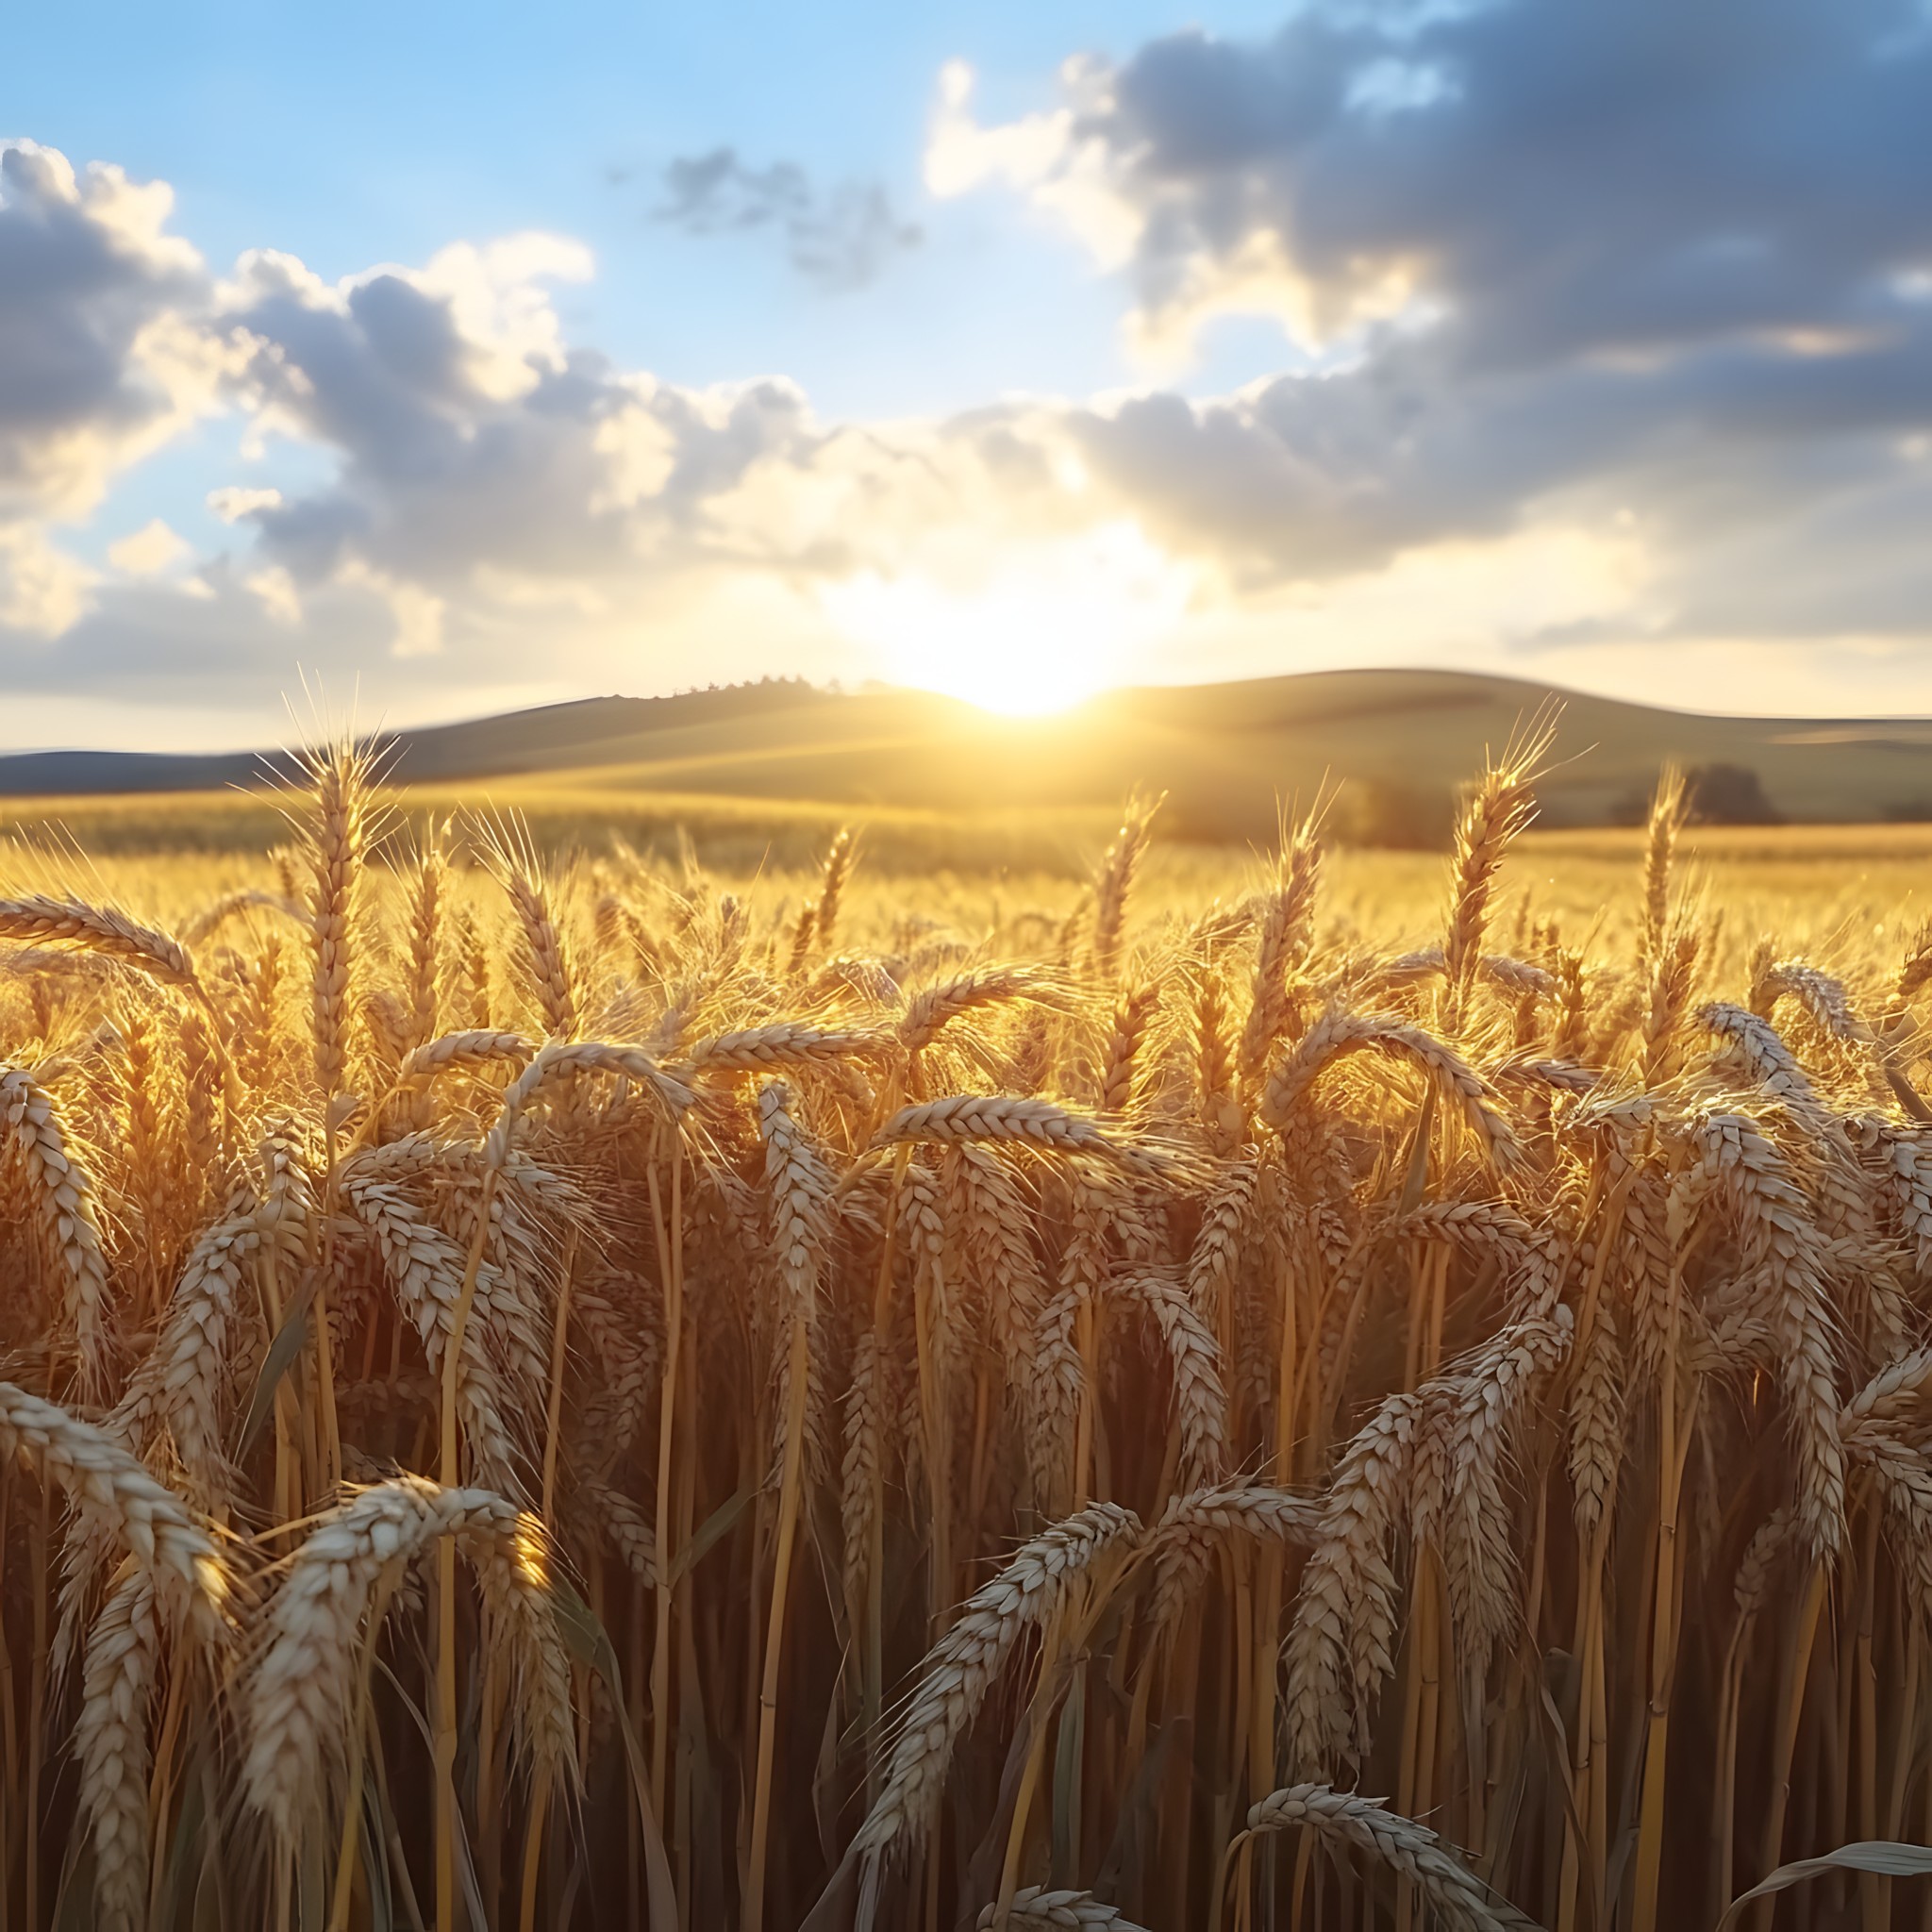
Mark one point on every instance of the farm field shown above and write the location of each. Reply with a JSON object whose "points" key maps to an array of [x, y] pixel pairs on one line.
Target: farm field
{"points": [[1225, 756], [582, 1358]]}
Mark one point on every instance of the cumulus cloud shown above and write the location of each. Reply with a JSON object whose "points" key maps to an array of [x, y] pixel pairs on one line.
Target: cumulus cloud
{"points": [[234, 501], [463, 443], [43, 592], [839, 238], [100, 359], [473, 480], [1606, 178], [1615, 259], [149, 550]]}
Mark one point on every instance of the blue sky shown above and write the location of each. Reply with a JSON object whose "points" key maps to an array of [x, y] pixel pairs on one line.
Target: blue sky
{"points": [[368, 133], [480, 357]]}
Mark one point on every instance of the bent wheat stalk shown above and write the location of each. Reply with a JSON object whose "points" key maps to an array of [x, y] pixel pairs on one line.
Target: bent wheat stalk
{"points": [[1413, 1851]]}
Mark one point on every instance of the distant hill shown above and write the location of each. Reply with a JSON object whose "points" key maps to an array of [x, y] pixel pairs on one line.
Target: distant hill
{"points": [[1226, 754], [548, 738]]}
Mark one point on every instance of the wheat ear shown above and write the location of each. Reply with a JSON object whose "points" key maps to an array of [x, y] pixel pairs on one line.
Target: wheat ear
{"points": [[62, 1202], [784, 1043], [42, 919], [837, 869], [335, 843], [298, 1695], [558, 1060], [119, 1500], [1038, 1124], [1340, 1646], [111, 1739], [475, 1047], [961, 1667], [1340, 1033], [1499, 810], [1059, 1911], [1452, 1891], [1195, 1526], [935, 1007]]}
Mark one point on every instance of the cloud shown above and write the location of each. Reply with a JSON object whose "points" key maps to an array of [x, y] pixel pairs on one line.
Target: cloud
{"points": [[234, 501], [43, 592], [1620, 265], [1611, 176], [148, 551], [99, 360], [462, 443], [839, 238]]}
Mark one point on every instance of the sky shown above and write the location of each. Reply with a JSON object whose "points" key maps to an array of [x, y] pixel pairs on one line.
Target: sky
{"points": [[458, 359]]}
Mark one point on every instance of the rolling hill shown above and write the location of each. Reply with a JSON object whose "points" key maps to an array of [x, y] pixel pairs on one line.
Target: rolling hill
{"points": [[1226, 754]]}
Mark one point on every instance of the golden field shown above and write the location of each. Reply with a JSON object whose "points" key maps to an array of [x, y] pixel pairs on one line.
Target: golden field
{"points": [[566, 1365]]}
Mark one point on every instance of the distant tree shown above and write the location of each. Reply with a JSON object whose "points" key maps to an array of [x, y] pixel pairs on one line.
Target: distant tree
{"points": [[1629, 808], [1400, 818], [1731, 795]]}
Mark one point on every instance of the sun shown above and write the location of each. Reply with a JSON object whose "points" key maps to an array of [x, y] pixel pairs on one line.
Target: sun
{"points": [[1045, 626]]}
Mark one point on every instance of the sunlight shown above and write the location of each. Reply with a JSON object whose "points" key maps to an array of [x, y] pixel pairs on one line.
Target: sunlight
{"points": [[1052, 624]]}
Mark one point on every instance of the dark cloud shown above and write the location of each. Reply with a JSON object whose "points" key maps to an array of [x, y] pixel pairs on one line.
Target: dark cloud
{"points": [[1599, 176], [1305, 477], [86, 379], [1669, 259], [839, 238]]}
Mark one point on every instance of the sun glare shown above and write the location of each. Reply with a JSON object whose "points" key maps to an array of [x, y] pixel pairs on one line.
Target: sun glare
{"points": [[1048, 626]]}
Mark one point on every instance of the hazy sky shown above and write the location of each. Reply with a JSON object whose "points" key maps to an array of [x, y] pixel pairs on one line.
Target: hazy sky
{"points": [[472, 357]]}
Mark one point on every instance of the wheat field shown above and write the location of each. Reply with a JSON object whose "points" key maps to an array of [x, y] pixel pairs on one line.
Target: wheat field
{"points": [[544, 1391]]}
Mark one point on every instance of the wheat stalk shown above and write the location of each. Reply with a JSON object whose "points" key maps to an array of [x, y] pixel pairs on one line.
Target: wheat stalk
{"points": [[960, 1670], [1343, 1818], [61, 1202], [1064, 1910], [299, 1691], [111, 1739], [119, 1500], [1337, 1033]]}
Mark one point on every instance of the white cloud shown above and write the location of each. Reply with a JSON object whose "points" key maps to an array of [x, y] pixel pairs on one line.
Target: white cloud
{"points": [[149, 550], [419, 621], [499, 307], [417, 615], [233, 502], [1045, 155], [43, 592], [276, 590], [102, 356]]}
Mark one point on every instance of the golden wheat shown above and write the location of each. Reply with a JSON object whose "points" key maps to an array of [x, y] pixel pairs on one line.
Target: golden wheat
{"points": [[990, 1404]]}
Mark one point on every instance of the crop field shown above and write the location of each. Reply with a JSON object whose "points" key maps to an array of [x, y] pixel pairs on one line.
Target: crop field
{"points": [[550, 1378]]}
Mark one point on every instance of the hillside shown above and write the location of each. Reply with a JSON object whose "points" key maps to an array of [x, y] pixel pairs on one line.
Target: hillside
{"points": [[1225, 752]]}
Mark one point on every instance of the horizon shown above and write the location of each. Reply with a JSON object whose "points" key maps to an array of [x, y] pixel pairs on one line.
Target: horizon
{"points": [[328, 717], [1009, 353]]}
